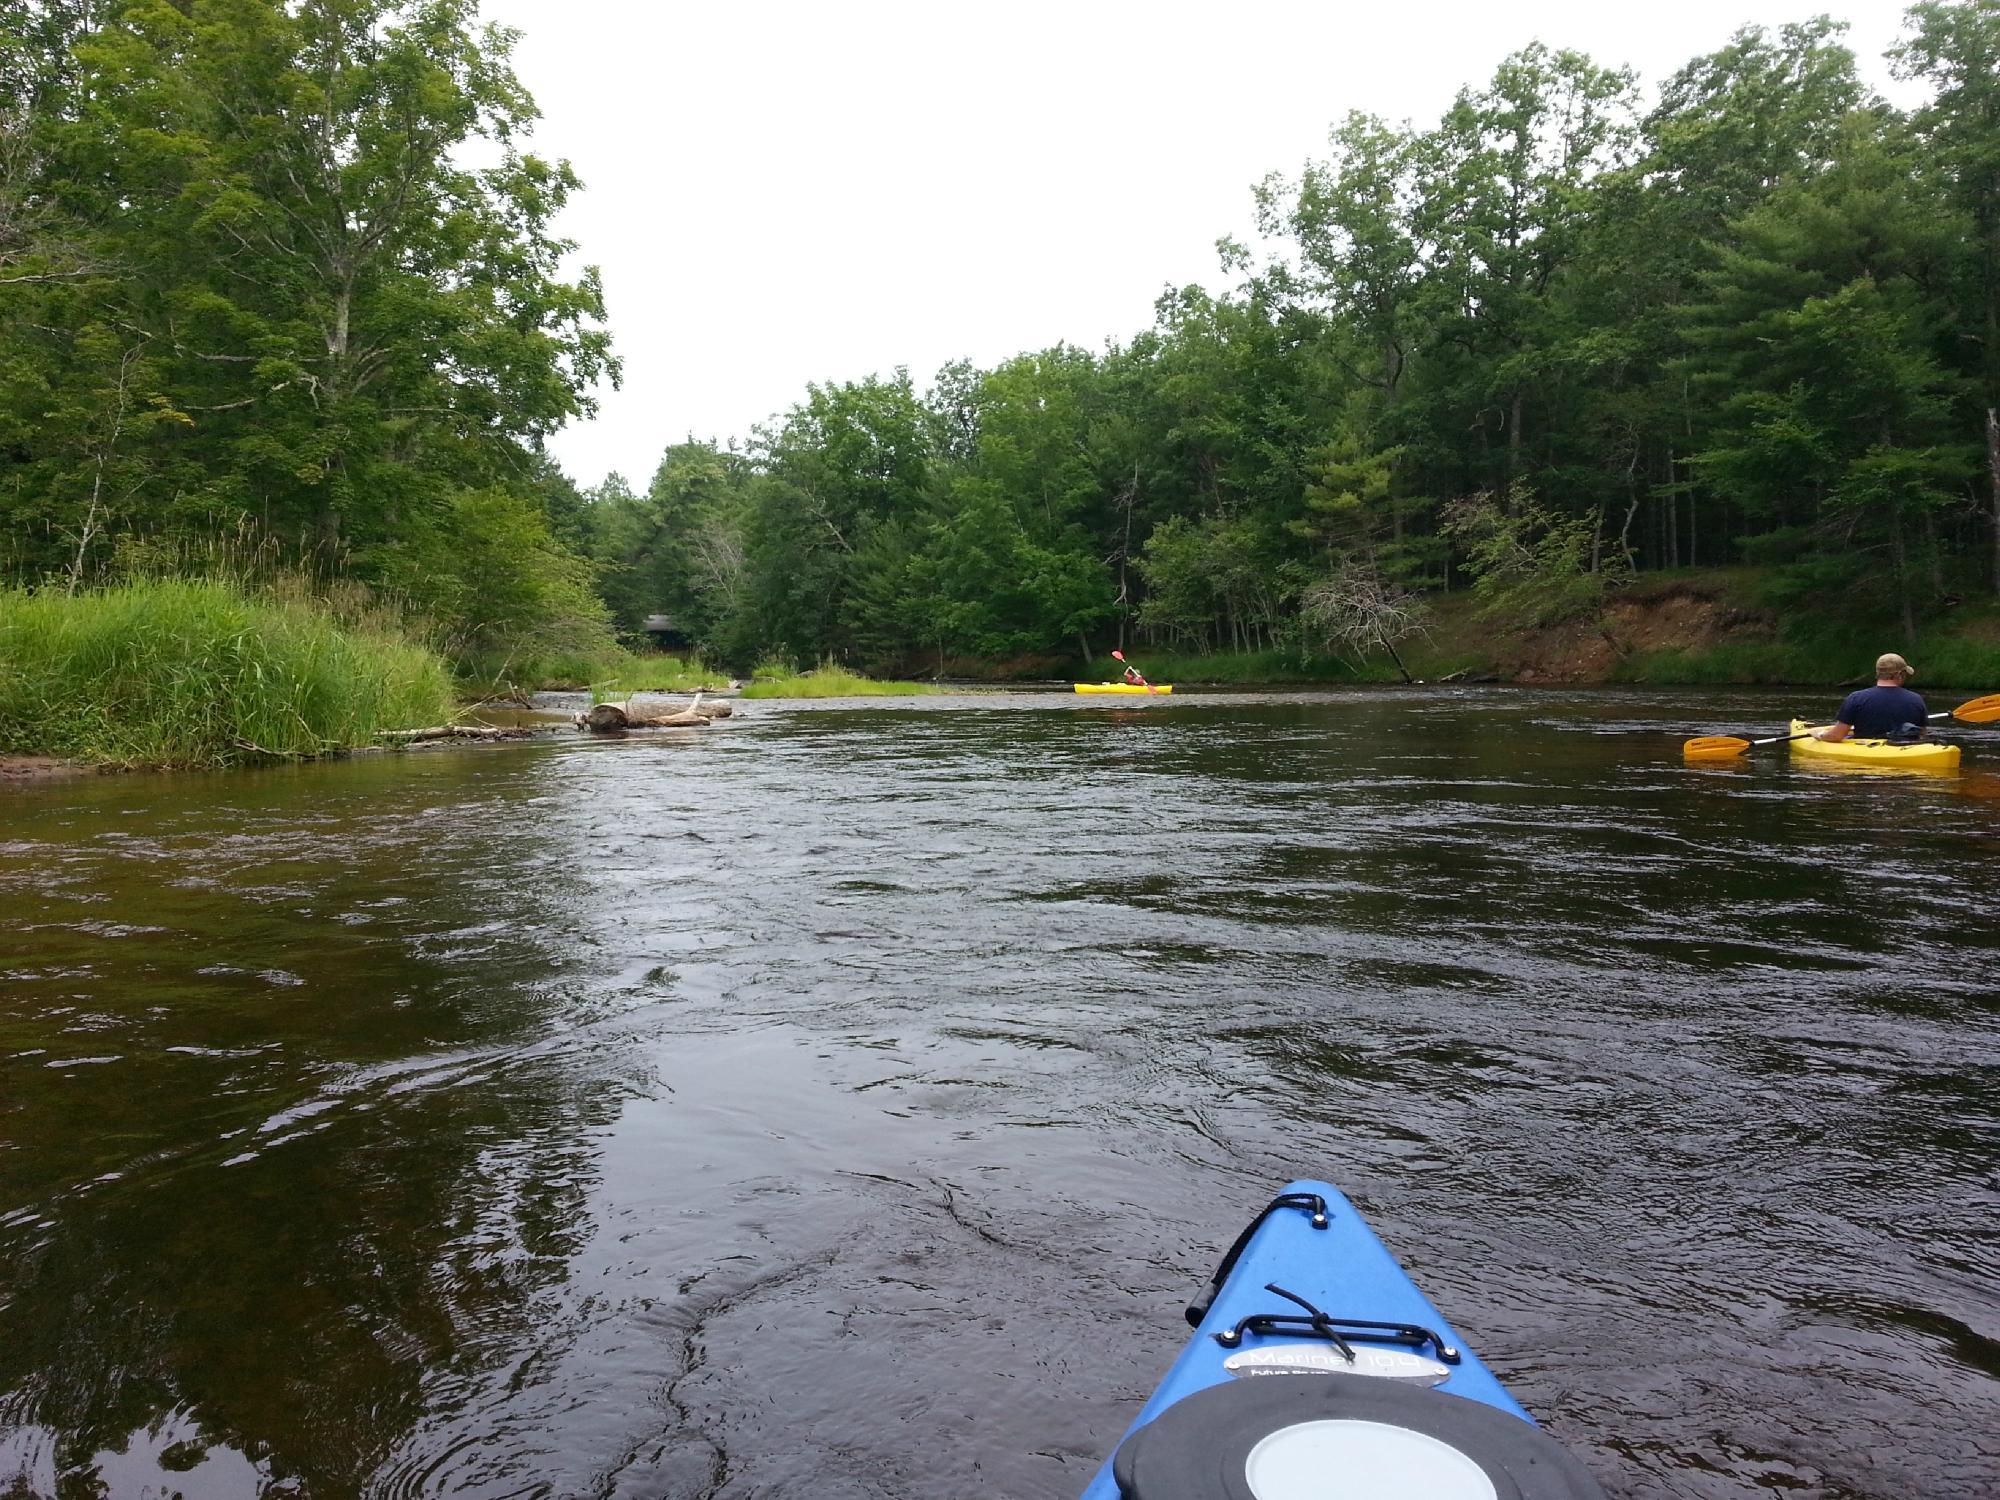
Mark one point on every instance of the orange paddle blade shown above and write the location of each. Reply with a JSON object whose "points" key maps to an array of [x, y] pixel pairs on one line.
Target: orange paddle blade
{"points": [[1979, 710], [1715, 747]]}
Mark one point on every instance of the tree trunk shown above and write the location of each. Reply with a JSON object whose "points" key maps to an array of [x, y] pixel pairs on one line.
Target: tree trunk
{"points": [[102, 453], [1993, 463], [1081, 639], [337, 334], [1131, 499], [1903, 582], [1397, 656]]}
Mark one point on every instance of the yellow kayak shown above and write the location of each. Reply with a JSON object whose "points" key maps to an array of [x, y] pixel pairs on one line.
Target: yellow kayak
{"points": [[1124, 687], [1925, 755]]}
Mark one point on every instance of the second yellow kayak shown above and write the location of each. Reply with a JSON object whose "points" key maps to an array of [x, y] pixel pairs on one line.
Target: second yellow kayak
{"points": [[1925, 755], [1124, 687]]}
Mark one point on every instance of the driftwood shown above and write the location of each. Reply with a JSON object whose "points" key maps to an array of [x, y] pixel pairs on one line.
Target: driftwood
{"points": [[610, 718], [513, 697], [452, 732]]}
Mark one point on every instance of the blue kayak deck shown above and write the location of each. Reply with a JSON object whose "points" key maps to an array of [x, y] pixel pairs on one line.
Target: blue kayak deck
{"points": [[1344, 1271]]}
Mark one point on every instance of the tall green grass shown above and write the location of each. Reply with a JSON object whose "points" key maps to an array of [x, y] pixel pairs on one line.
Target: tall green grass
{"points": [[180, 672], [1944, 658], [1958, 662], [1773, 663], [826, 681]]}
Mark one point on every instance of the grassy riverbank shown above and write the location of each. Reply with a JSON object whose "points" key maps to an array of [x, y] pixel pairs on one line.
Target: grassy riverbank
{"points": [[829, 682], [1740, 627], [198, 673], [1959, 651]]}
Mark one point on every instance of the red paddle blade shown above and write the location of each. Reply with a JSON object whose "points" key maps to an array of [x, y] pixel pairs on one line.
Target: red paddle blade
{"points": [[1118, 656]]}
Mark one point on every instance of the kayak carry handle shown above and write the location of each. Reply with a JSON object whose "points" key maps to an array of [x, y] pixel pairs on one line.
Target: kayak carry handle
{"points": [[1309, 1203], [1317, 1324]]}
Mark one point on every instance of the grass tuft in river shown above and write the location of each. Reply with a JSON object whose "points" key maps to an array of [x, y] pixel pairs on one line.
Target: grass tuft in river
{"points": [[165, 672], [778, 680]]}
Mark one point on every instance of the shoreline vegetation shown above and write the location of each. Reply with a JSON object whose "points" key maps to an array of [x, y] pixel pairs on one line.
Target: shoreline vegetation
{"points": [[827, 680], [1589, 379], [201, 672], [1692, 628], [185, 672], [1574, 340]]}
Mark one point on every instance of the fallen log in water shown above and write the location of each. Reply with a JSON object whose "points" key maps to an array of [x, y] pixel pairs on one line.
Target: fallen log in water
{"points": [[610, 718], [452, 732]]}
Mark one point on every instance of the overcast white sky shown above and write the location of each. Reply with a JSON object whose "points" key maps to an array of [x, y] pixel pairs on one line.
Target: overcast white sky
{"points": [[781, 193]]}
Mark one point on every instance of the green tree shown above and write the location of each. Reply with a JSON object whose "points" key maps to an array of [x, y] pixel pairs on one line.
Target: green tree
{"points": [[1505, 193], [360, 332], [1530, 564], [512, 594], [1356, 250], [1819, 347], [1763, 113], [1955, 47]]}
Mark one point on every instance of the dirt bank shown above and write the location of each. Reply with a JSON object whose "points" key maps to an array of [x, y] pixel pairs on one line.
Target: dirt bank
{"points": [[1689, 619], [21, 770]]}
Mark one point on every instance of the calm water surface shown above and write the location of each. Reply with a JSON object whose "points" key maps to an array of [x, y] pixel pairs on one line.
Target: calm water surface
{"points": [[842, 1103]]}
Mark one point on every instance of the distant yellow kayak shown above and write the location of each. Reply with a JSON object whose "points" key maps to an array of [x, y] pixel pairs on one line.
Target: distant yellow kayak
{"points": [[1124, 687], [1926, 755]]}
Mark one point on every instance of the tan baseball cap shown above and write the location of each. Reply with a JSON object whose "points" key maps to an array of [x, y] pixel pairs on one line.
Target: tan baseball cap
{"points": [[1889, 664]]}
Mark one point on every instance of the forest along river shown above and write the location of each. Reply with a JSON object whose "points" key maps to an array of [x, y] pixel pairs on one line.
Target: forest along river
{"points": [[843, 1102]]}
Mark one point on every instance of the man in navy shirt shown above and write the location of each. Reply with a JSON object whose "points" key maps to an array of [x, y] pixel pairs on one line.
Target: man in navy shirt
{"points": [[1877, 713]]}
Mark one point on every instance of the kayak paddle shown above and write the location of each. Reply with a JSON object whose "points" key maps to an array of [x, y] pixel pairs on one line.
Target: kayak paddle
{"points": [[1728, 746], [1119, 656]]}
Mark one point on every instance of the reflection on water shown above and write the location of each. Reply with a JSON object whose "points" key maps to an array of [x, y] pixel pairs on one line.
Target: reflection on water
{"points": [[845, 1102]]}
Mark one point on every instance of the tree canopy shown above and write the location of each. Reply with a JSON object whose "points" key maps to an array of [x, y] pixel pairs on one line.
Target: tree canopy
{"points": [[291, 265], [288, 265], [1561, 334]]}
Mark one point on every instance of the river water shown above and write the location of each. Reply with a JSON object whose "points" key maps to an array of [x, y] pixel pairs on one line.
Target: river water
{"points": [[842, 1102]]}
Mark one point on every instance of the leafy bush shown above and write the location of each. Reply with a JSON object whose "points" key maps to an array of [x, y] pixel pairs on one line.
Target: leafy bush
{"points": [[516, 606], [1530, 565]]}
